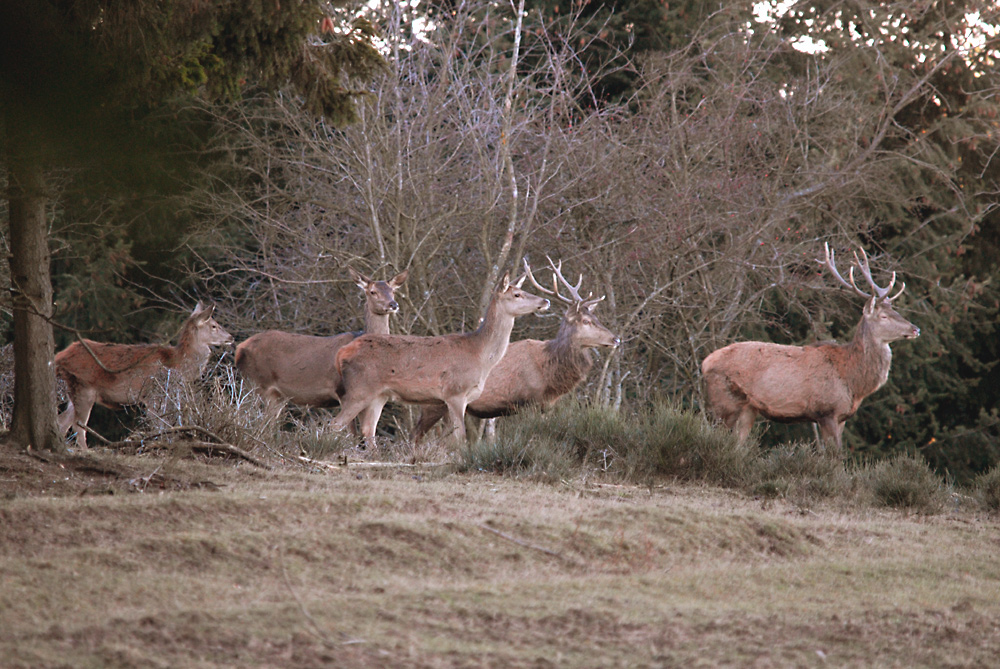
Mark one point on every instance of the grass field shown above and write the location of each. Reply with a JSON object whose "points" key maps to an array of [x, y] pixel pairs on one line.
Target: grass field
{"points": [[143, 561]]}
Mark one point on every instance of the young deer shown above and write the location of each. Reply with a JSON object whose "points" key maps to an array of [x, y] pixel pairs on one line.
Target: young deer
{"points": [[533, 372], [118, 375], [822, 383], [298, 368], [449, 368]]}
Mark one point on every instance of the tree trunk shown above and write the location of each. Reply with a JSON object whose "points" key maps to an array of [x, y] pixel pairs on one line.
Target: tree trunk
{"points": [[34, 419]]}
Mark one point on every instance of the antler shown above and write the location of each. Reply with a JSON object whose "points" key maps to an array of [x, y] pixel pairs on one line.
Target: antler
{"points": [[865, 269], [531, 278], [867, 274], [557, 276], [574, 291]]}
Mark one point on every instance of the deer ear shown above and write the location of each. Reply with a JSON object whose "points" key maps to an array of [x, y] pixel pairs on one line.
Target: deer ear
{"points": [[520, 282], [505, 282], [202, 314], [361, 280], [398, 280], [870, 306]]}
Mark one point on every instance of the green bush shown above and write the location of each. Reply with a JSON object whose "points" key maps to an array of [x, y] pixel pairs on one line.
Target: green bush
{"points": [[637, 447], [676, 442], [525, 446], [904, 481], [799, 473], [986, 488]]}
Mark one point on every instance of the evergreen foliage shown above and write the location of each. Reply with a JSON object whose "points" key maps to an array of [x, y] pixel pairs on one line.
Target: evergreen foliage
{"points": [[107, 87], [906, 482]]}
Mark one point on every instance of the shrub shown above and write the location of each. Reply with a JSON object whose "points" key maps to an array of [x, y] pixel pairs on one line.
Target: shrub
{"points": [[986, 488], [525, 446], [904, 481], [799, 473], [663, 440], [219, 407], [677, 442]]}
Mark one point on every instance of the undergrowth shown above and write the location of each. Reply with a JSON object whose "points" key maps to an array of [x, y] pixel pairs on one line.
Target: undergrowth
{"points": [[904, 481], [986, 488], [664, 441]]}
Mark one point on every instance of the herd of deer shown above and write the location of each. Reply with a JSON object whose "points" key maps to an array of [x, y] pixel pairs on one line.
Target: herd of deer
{"points": [[485, 375]]}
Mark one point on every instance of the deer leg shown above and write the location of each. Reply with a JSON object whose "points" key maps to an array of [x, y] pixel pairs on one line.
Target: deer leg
{"points": [[489, 428], [742, 423], [457, 410], [429, 416], [369, 420], [81, 414], [273, 404], [348, 411], [67, 418]]}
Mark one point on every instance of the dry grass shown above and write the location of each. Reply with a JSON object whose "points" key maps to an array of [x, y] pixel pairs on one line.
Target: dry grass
{"points": [[416, 566]]}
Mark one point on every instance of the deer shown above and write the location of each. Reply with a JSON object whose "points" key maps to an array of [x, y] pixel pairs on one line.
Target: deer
{"points": [[533, 372], [451, 368], [823, 383], [120, 375], [298, 368]]}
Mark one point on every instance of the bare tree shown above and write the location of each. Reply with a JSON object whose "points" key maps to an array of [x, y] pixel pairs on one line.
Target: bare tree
{"points": [[697, 205]]}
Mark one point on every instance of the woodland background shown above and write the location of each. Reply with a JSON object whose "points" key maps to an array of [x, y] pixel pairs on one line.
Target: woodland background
{"points": [[689, 160]]}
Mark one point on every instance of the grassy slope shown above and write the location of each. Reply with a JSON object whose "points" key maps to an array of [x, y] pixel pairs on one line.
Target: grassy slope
{"points": [[412, 568]]}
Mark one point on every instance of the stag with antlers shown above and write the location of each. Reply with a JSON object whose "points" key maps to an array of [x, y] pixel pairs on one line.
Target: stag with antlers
{"points": [[822, 383], [533, 372]]}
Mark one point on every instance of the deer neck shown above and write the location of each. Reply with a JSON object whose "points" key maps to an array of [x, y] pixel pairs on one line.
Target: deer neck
{"points": [[870, 361], [189, 356], [376, 323], [493, 335], [567, 363]]}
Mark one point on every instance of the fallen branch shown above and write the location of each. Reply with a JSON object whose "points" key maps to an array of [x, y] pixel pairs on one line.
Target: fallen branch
{"points": [[344, 462], [207, 447], [519, 542]]}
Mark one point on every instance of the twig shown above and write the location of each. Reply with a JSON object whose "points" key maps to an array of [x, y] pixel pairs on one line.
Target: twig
{"points": [[211, 447], [519, 542], [317, 631], [208, 447], [345, 463]]}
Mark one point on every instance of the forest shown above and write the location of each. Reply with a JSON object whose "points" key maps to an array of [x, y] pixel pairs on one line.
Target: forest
{"points": [[688, 161]]}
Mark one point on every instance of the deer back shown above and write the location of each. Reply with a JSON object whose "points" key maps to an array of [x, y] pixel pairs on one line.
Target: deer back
{"points": [[301, 367]]}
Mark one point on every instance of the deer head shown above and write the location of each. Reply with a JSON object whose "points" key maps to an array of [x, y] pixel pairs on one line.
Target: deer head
{"points": [[883, 322], [586, 329], [379, 295]]}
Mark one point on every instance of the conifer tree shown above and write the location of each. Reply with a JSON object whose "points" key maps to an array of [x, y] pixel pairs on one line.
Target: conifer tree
{"points": [[99, 85]]}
